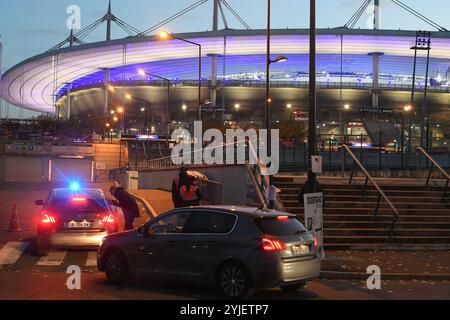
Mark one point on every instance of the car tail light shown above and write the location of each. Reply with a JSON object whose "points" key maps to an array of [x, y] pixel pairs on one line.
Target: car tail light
{"points": [[108, 219], [282, 218], [78, 199], [273, 245], [48, 219]]}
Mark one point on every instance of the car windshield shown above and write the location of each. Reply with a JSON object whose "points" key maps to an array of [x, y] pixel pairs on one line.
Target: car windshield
{"points": [[71, 203], [275, 227]]}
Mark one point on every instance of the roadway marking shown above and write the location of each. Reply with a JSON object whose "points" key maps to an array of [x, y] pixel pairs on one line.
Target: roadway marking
{"points": [[91, 260], [11, 252], [54, 258]]}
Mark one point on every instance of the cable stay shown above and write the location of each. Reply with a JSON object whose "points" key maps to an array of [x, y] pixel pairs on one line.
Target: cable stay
{"points": [[78, 37], [351, 23], [357, 15], [171, 18], [235, 14], [420, 16]]}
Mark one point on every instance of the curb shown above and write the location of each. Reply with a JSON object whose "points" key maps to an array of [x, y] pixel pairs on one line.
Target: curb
{"points": [[342, 275]]}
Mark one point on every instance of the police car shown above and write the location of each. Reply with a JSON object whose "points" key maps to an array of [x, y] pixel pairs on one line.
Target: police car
{"points": [[74, 217]]}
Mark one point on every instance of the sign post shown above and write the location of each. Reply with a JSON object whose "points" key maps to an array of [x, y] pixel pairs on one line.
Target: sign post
{"points": [[314, 218]]}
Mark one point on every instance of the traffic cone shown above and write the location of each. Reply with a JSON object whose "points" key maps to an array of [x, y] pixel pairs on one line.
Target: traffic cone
{"points": [[14, 221]]}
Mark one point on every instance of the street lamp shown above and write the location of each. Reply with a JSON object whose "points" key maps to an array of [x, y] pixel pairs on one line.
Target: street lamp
{"points": [[184, 107], [269, 61], [312, 151], [237, 106], [130, 97], [164, 35], [406, 110], [142, 72], [341, 118]]}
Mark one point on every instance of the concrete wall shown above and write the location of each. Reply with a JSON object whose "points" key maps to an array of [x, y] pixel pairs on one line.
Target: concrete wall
{"points": [[232, 189], [16, 168], [107, 157], [64, 169]]}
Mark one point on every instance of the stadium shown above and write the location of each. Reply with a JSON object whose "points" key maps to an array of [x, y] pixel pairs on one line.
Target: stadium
{"points": [[367, 71]]}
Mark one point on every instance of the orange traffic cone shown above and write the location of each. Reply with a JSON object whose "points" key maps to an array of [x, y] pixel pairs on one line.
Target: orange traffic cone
{"points": [[14, 221]]}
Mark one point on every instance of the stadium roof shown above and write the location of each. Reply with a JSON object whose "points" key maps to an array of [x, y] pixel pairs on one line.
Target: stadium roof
{"points": [[35, 82]]}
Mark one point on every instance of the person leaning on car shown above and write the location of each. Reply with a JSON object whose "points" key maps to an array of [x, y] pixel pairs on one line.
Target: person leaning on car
{"points": [[127, 202]]}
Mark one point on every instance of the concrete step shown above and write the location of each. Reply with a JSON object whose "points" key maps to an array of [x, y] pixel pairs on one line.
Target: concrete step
{"points": [[385, 239], [359, 186], [389, 193], [383, 204], [381, 211], [365, 232], [387, 246], [368, 218], [330, 224], [349, 198]]}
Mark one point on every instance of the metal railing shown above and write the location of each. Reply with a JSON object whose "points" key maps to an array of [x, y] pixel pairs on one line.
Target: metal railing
{"points": [[435, 164], [381, 194]]}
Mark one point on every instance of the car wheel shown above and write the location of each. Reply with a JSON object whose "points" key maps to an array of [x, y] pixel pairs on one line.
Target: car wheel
{"points": [[234, 282], [294, 287], [116, 267]]}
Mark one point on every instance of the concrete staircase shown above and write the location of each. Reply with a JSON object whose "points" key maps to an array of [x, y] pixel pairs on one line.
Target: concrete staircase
{"points": [[349, 218]]}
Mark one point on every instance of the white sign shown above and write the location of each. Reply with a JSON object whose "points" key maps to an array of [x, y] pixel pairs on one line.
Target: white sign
{"points": [[316, 162], [314, 217], [100, 166]]}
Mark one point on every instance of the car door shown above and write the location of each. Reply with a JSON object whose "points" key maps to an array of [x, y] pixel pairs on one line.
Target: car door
{"points": [[158, 249], [205, 242]]}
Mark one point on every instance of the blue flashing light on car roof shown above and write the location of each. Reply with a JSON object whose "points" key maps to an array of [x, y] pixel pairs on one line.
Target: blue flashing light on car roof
{"points": [[75, 186]]}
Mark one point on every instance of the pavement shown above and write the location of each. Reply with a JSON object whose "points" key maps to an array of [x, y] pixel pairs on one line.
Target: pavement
{"points": [[394, 265]]}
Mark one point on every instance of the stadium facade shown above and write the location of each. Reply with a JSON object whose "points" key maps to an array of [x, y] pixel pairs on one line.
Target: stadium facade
{"points": [[96, 78]]}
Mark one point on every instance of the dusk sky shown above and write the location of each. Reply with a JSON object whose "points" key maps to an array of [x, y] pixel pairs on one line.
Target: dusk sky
{"points": [[30, 27]]}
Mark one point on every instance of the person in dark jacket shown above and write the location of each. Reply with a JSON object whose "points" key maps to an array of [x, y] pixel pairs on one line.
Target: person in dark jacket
{"points": [[303, 191], [177, 183], [128, 204], [190, 193]]}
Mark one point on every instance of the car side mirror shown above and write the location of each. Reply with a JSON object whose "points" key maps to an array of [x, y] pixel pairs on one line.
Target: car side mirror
{"points": [[39, 202]]}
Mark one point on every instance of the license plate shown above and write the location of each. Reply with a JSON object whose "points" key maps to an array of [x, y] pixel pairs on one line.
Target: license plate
{"points": [[79, 224], [300, 249]]}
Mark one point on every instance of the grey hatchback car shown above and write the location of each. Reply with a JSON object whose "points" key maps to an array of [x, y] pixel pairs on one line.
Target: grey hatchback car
{"points": [[236, 249]]}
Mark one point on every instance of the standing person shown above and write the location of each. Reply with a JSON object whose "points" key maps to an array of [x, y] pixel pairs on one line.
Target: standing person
{"points": [[128, 204], [177, 183], [303, 192], [190, 193], [272, 193]]}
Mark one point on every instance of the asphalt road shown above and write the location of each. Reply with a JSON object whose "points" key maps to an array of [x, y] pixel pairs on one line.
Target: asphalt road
{"points": [[39, 285], [24, 276]]}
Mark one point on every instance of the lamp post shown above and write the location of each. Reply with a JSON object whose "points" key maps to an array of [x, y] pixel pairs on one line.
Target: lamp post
{"points": [[166, 35], [406, 109], [312, 185], [269, 62], [169, 84], [121, 111], [130, 97]]}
